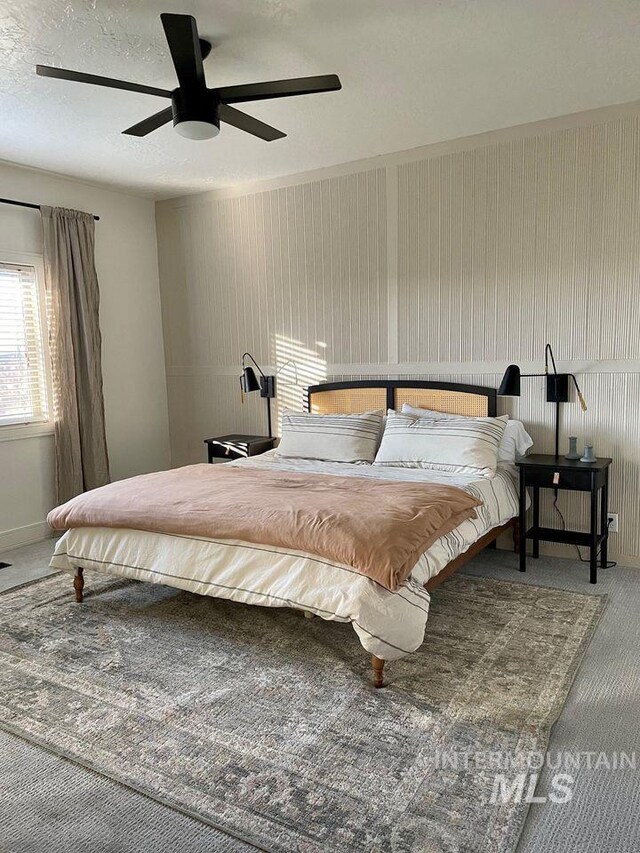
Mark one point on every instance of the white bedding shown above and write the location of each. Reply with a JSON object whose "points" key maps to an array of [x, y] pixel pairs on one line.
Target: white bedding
{"points": [[388, 624]]}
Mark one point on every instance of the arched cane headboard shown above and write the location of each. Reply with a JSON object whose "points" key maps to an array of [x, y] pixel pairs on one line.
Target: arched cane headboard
{"points": [[365, 395]]}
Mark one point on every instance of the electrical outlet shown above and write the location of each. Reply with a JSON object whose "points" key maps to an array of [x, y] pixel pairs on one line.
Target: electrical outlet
{"points": [[612, 519]]}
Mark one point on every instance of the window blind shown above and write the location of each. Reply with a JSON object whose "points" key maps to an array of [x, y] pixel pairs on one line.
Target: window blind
{"points": [[23, 378]]}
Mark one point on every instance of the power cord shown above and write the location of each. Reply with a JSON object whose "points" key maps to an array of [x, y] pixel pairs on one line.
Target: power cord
{"points": [[610, 564]]}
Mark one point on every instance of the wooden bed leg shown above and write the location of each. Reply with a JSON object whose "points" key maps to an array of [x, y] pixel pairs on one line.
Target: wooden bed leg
{"points": [[516, 535], [378, 666], [78, 583]]}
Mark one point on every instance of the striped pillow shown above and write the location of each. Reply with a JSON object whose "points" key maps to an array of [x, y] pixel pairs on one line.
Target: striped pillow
{"points": [[515, 439], [333, 438], [459, 445]]}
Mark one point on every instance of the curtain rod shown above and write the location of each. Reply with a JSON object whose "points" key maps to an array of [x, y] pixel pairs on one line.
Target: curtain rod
{"points": [[27, 204]]}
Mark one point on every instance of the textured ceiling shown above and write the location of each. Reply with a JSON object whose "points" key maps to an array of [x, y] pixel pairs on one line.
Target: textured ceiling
{"points": [[413, 72]]}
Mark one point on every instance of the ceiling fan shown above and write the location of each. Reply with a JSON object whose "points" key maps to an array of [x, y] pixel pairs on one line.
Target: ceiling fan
{"points": [[195, 109]]}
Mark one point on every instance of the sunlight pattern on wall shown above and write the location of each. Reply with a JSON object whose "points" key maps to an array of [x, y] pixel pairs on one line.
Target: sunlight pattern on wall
{"points": [[298, 367]]}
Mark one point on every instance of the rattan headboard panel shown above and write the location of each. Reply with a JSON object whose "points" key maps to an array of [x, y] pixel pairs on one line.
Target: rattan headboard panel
{"points": [[452, 402], [347, 401], [334, 398]]}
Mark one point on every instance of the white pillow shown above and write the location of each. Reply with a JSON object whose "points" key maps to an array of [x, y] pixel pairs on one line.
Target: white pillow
{"points": [[333, 438], [515, 439], [458, 445], [515, 442]]}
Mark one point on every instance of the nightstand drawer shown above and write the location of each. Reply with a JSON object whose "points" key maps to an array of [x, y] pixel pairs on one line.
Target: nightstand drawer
{"points": [[227, 447], [560, 479], [219, 450]]}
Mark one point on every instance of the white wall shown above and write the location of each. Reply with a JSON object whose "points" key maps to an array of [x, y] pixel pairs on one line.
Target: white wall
{"points": [[449, 261], [132, 355]]}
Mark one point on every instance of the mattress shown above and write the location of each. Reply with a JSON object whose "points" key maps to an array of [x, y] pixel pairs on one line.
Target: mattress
{"points": [[388, 624]]}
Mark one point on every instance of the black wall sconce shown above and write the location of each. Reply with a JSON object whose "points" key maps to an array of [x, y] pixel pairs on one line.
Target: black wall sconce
{"points": [[557, 387], [266, 385]]}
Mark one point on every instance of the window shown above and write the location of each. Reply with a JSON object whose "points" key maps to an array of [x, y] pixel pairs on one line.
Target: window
{"points": [[24, 383]]}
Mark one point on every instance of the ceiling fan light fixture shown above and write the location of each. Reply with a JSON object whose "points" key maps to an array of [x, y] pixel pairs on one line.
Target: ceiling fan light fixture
{"points": [[196, 109], [191, 129]]}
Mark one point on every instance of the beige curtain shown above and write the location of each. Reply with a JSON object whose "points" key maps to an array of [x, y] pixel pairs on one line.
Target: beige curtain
{"points": [[73, 296]]}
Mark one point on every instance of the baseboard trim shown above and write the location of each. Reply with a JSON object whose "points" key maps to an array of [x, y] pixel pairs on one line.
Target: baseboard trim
{"points": [[24, 535], [568, 552]]}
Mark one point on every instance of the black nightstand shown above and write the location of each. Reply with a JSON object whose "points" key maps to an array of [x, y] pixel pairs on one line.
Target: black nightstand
{"points": [[237, 446], [551, 472]]}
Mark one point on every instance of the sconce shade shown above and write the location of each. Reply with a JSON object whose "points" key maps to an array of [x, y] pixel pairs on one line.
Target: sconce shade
{"points": [[510, 385], [249, 380]]}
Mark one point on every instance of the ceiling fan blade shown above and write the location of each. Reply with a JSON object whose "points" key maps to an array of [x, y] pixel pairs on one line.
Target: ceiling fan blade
{"points": [[279, 88], [79, 77], [249, 124], [182, 36], [149, 124]]}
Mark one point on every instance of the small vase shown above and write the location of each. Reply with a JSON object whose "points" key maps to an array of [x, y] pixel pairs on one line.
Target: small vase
{"points": [[588, 455], [573, 448]]}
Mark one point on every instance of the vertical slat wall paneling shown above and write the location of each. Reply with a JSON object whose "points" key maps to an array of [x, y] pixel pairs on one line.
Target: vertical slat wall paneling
{"points": [[529, 241], [295, 273], [472, 258], [519, 242]]}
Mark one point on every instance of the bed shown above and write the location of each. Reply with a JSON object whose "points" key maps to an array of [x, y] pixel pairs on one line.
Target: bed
{"points": [[389, 624]]}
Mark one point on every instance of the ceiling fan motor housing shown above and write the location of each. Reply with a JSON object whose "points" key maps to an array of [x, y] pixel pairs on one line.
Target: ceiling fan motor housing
{"points": [[194, 111]]}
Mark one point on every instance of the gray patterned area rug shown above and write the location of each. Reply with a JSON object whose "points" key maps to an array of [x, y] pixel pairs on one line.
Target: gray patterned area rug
{"points": [[264, 724]]}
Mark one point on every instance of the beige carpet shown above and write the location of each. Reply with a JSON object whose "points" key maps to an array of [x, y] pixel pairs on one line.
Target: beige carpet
{"points": [[263, 724]]}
